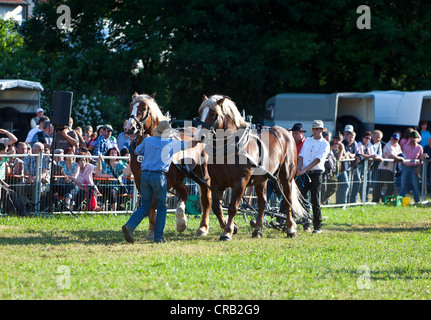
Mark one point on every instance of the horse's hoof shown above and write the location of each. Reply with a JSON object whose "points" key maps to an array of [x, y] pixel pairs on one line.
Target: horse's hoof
{"points": [[292, 235], [224, 238], [253, 223], [181, 227], [202, 232], [257, 234], [150, 235], [235, 228]]}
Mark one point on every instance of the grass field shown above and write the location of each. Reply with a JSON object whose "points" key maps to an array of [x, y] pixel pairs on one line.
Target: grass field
{"points": [[364, 253]]}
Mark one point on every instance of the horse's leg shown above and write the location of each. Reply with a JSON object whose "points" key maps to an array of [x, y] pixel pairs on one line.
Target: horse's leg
{"points": [[237, 192], [152, 215], [287, 185], [260, 190], [206, 197], [182, 193], [216, 205]]}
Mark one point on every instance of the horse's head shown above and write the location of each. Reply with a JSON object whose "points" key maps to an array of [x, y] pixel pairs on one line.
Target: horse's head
{"points": [[219, 112], [144, 115]]}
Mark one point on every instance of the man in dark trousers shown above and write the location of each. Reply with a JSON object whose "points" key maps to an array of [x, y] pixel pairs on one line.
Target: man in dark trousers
{"points": [[311, 165]]}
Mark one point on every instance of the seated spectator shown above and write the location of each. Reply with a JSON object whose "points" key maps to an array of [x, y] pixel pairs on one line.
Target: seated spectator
{"points": [[30, 174], [10, 202], [10, 137], [69, 166], [83, 178], [37, 129], [127, 172], [44, 136], [385, 170], [413, 152], [105, 141], [112, 169]]}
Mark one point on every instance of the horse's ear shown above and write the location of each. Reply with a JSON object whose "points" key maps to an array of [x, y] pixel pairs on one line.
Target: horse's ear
{"points": [[220, 102], [204, 97], [135, 95], [153, 95]]}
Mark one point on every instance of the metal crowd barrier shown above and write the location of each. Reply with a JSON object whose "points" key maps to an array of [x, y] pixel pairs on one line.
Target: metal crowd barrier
{"points": [[119, 194]]}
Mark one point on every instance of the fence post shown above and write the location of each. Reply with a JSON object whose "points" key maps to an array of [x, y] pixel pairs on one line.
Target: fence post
{"points": [[364, 182], [424, 180], [38, 182], [134, 197]]}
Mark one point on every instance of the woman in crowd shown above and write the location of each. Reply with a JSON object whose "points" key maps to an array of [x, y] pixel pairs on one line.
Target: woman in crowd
{"points": [[69, 167], [112, 172], [83, 178]]}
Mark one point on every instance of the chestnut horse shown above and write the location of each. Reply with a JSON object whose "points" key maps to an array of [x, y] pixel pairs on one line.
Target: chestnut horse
{"points": [[252, 158], [145, 116]]}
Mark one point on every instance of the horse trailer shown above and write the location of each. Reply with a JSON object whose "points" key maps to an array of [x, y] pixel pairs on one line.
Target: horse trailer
{"points": [[398, 110], [19, 100], [336, 110]]}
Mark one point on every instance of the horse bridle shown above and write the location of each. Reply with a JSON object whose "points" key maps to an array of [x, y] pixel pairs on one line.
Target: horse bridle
{"points": [[198, 122], [140, 124]]}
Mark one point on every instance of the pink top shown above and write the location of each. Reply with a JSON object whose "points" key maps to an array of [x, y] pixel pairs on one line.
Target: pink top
{"points": [[412, 152], [85, 179]]}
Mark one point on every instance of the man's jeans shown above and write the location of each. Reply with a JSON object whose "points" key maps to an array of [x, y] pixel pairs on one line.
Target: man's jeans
{"points": [[343, 187], [408, 176], [153, 183]]}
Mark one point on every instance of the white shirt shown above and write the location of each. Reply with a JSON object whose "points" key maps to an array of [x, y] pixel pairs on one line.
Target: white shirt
{"points": [[314, 149], [31, 133]]}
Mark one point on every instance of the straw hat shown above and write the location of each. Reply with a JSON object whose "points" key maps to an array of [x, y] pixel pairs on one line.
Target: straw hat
{"points": [[162, 127], [317, 124]]}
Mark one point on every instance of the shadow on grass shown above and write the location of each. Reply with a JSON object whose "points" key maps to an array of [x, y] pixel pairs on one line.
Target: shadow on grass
{"points": [[376, 229], [104, 237]]}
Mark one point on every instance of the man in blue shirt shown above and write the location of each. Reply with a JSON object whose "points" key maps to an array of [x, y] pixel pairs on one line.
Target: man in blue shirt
{"points": [[105, 141], [158, 151]]}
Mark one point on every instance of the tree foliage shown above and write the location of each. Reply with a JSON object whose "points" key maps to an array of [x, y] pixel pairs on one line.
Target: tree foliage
{"points": [[247, 49]]}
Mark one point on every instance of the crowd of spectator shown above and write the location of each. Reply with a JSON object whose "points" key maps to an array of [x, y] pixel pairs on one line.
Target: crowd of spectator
{"points": [[74, 175], [394, 167]]}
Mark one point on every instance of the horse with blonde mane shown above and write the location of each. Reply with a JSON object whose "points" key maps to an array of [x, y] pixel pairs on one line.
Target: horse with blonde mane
{"points": [[240, 157], [144, 116]]}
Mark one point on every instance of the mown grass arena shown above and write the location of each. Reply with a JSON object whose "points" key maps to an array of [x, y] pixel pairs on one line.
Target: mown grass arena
{"points": [[366, 252]]}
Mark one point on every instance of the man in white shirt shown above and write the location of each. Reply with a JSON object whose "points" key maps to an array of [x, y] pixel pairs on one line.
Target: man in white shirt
{"points": [[37, 129], [311, 165]]}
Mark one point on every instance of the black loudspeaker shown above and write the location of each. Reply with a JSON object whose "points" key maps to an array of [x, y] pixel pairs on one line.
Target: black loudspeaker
{"points": [[61, 108]]}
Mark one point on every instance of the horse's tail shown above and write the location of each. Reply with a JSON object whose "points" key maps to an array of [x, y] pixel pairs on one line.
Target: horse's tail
{"points": [[297, 202]]}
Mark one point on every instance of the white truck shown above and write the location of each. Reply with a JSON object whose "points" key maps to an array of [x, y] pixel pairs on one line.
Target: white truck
{"points": [[19, 100], [335, 109]]}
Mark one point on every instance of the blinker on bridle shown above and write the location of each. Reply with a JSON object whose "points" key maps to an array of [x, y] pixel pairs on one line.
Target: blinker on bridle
{"points": [[140, 124]]}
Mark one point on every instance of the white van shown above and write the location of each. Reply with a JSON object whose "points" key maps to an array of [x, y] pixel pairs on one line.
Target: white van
{"points": [[336, 110], [19, 100]]}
